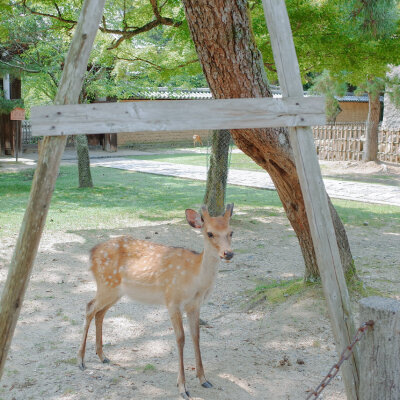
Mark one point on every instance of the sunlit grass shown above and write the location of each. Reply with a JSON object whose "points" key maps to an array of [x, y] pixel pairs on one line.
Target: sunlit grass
{"points": [[121, 198], [237, 160]]}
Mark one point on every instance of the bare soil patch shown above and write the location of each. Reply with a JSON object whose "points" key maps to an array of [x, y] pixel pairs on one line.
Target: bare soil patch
{"points": [[270, 352], [372, 172]]}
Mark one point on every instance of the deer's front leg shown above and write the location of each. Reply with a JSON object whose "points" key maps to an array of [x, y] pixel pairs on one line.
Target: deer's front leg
{"points": [[193, 314], [176, 319]]}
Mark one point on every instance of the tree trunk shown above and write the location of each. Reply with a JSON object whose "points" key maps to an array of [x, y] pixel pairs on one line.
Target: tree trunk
{"points": [[233, 67], [82, 151], [217, 173], [371, 139]]}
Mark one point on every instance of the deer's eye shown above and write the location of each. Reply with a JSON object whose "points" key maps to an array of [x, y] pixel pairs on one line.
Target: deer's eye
{"points": [[210, 234], [231, 234]]}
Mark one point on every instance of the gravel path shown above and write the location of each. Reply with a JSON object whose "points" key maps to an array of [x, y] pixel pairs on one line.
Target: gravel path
{"points": [[349, 190]]}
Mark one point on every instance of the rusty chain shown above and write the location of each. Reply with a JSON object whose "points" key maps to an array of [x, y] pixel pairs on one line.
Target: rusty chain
{"points": [[343, 357]]}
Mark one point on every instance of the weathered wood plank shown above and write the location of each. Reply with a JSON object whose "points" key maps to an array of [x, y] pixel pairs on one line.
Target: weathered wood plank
{"points": [[380, 349], [45, 177], [169, 115], [315, 197]]}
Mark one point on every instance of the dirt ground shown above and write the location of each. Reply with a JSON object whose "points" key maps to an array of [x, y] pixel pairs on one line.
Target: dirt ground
{"points": [[268, 352]]}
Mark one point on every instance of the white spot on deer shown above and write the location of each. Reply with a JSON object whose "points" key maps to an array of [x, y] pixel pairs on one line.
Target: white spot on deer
{"points": [[115, 271], [178, 267], [174, 280], [183, 272], [170, 266]]}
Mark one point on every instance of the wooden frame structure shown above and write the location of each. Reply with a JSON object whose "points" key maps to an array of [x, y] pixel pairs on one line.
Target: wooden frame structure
{"points": [[291, 111]]}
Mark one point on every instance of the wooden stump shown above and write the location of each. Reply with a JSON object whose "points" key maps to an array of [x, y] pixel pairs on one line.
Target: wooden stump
{"points": [[380, 350]]}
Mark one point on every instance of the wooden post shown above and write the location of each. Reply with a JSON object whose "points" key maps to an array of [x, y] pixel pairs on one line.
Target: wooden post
{"points": [[315, 197], [45, 176], [380, 349]]}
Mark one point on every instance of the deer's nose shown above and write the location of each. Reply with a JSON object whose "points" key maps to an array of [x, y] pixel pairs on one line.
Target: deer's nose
{"points": [[228, 255]]}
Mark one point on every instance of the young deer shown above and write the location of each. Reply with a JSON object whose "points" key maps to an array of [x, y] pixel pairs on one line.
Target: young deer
{"points": [[197, 139], [157, 274]]}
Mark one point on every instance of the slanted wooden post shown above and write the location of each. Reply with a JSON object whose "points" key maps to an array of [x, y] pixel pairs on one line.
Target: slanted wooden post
{"points": [[314, 193], [45, 177], [380, 349]]}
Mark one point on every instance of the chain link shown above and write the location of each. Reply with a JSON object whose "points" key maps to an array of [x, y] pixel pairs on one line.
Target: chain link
{"points": [[343, 357]]}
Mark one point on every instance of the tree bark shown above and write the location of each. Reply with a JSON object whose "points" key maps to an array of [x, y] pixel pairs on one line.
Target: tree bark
{"points": [[217, 174], [371, 139], [82, 150], [233, 67]]}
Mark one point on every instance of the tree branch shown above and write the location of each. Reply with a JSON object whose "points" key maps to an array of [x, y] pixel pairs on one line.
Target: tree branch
{"points": [[156, 66], [33, 71], [126, 33]]}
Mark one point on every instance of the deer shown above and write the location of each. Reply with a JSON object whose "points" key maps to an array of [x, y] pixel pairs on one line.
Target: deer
{"points": [[197, 139], [153, 273]]}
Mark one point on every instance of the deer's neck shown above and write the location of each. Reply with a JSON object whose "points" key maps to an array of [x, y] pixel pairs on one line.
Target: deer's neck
{"points": [[210, 260]]}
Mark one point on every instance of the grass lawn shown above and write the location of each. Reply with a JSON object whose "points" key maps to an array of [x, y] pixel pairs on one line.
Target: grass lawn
{"points": [[122, 197], [238, 161]]}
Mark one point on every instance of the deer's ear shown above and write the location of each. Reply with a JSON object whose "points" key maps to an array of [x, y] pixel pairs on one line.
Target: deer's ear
{"points": [[229, 211], [193, 218]]}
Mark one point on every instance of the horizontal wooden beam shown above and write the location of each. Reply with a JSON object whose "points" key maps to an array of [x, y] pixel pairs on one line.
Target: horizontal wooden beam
{"points": [[176, 115]]}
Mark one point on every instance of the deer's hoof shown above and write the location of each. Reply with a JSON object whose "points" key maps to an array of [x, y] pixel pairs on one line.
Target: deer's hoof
{"points": [[82, 366], [106, 360], [207, 385], [185, 395]]}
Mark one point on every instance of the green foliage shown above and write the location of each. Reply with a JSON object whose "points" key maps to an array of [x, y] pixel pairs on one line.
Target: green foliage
{"points": [[6, 106], [323, 32], [373, 86], [372, 18], [325, 85]]}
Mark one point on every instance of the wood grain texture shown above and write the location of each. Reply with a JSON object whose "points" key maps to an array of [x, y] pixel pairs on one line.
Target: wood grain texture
{"points": [[380, 349], [44, 179], [314, 193], [178, 115]]}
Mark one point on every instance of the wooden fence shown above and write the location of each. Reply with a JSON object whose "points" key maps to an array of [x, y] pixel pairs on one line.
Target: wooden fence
{"points": [[344, 142], [339, 142]]}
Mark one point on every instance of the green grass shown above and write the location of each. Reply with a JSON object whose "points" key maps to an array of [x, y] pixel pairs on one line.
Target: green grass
{"points": [[118, 199], [149, 368], [276, 292], [238, 161], [376, 215], [121, 198]]}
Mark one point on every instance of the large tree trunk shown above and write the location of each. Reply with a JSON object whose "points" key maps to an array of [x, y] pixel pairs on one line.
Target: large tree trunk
{"points": [[217, 174], [371, 137], [82, 151], [233, 67]]}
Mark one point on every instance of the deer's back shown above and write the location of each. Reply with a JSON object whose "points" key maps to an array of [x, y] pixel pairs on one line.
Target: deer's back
{"points": [[145, 271]]}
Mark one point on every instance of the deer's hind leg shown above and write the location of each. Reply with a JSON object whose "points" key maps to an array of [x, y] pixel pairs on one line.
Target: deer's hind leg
{"points": [[96, 308]]}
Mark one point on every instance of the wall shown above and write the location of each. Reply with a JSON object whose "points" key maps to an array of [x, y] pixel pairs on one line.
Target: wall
{"points": [[353, 111], [125, 139]]}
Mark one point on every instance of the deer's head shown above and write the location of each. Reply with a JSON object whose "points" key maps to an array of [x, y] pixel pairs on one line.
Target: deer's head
{"points": [[216, 230]]}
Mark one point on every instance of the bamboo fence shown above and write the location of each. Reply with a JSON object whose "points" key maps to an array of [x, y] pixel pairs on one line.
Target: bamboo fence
{"points": [[345, 142]]}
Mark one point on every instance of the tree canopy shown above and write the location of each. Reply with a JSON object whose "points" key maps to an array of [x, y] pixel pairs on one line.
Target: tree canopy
{"points": [[147, 44]]}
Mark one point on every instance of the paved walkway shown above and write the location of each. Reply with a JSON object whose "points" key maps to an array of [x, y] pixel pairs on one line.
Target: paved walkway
{"points": [[359, 191]]}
